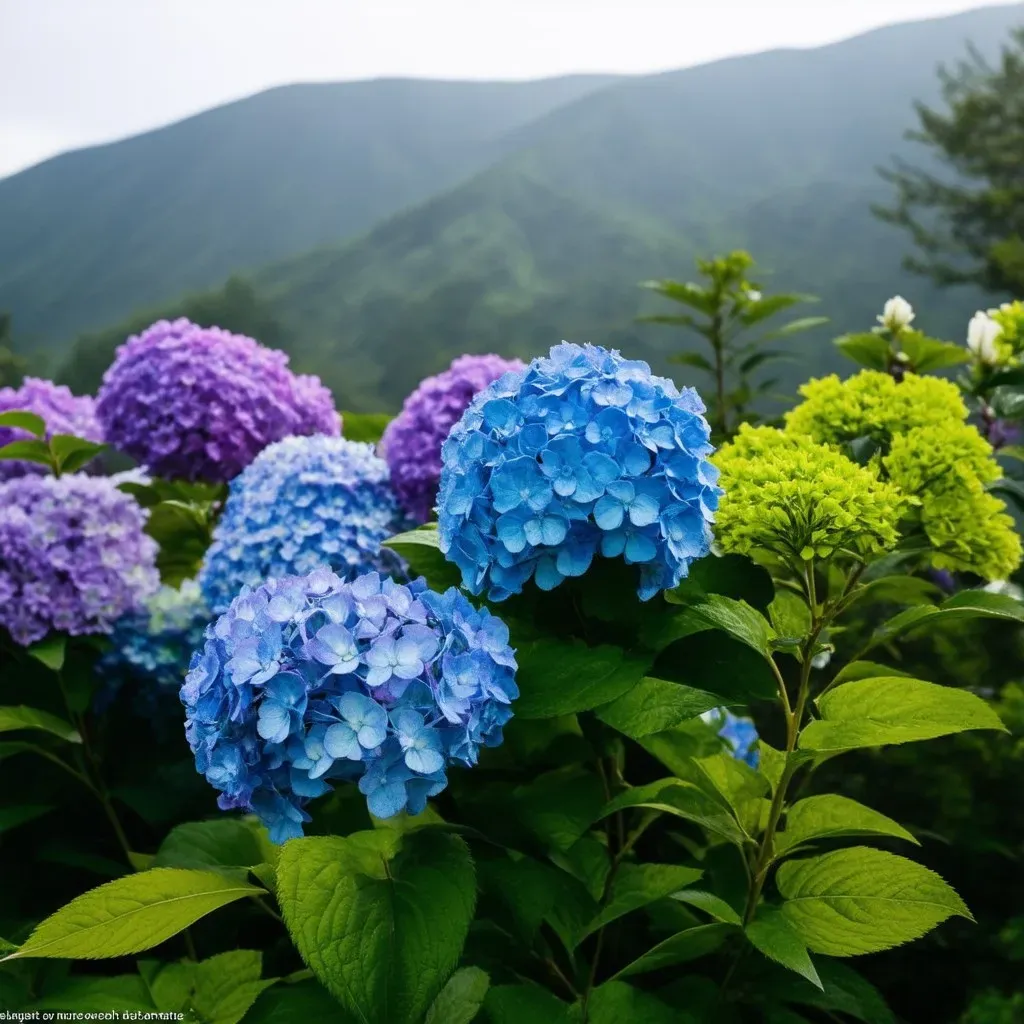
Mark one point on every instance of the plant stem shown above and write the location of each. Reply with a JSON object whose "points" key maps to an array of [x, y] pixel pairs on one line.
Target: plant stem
{"points": [[718, 344]]}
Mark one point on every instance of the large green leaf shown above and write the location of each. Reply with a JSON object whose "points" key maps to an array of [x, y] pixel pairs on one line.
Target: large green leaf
{"points": [[928, 354], [225, 986], [714, 611], [741, 787], [968, 604], [882, 710], [461, 998], [679, 949], [122, 994], [234, 844], [131, 914], [773, 935], [72, 453], [845, 991], [28, 451], [635, 886], [20, 814], [420, 550], [654, 705], [684, 800], [13, 719], [305, 1002], [615, 1002], [514, 1004], [734, 576], [557, 677], [558, 807], [830, 816], [863, 900], [870, 350], [685, 292], [379, 917]]}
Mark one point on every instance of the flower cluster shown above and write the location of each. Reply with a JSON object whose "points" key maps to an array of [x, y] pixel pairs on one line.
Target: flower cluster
{"points": [[198, 403], [73, 556], [311, 679], [739, 734], [60, 410], [412, 441], [787, 495], [304, 502], [873, 404], [155, 643], [582, 453]]}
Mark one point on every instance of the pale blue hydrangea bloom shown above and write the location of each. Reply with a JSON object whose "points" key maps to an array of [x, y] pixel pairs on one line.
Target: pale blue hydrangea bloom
{"points": [[740, 734]]}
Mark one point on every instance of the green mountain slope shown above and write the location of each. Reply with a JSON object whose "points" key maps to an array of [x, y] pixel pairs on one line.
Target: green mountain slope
{"points": [[93, 235], [776, 153]]}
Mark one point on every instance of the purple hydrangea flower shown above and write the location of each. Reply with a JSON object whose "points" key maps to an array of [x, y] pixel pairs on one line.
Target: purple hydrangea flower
{"points": [[412, 441], [73, 556], [200, 403], [308, 680], [61, 411]]}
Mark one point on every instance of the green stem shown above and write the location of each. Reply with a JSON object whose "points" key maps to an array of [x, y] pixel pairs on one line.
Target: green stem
{"points": [[718, 344]]}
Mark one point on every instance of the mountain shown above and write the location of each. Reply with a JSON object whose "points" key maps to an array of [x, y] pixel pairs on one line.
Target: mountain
{"points": [[92, 235], [775, 152]]}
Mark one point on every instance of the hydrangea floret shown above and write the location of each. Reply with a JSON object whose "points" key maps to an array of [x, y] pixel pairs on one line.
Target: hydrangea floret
{"points": [[199, 403], [412, 441], [304, 502], [739, 733], [583, 453], [309, 680], [60, 410], [73, 556]]}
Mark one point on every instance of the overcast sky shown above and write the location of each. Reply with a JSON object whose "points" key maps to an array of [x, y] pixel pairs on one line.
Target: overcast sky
{"points": [[75, 72]]}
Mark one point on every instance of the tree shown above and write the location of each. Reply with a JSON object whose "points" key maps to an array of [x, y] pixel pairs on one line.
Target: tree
{"points": [[965, 210], [12, 366]]}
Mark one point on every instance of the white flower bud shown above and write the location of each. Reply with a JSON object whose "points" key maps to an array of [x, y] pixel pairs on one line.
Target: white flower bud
{"points": [[897, 314], [753, 296], [982, 334]]}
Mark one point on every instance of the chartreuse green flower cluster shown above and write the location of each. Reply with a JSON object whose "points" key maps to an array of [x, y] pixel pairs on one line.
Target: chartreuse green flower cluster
{"points": [[796, 499], [795, 491]]}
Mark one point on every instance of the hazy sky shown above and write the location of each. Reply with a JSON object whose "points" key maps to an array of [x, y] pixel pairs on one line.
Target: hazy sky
{"points": [[74, 72]]}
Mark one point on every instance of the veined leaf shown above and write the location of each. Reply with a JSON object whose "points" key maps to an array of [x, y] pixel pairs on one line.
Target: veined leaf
{"points": [[679, 949], [615, 1002], [773, 935], [635, 886], [830, 816], [870, 350], [712, 905], [863, 900], [225, 986], [734, 576], [559, 806], [714, 611], [684, 800], [460, 1000], [866, 670], [928, 354], [131, 914], [882, 710], [654, 705], [23, 420], [232, 844], [14, 718]]}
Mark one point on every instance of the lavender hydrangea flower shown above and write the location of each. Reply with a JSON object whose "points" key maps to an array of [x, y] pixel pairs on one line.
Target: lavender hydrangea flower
{"points": [[412, 441], [309, 680], [61, 411], [304, 502], [583, 453], [198, 403], [73, 556]]}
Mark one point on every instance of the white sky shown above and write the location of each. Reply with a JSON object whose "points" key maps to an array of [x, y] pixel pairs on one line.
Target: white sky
{"points": [[75, 72]]}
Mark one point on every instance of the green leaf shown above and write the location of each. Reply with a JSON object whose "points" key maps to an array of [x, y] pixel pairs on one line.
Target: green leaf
{"points": [[691, 359], [654, 705], [845, 991], [306, 1002], [912, 590], [831, 816], [866, 670], [714, 611], [232, 844], [461, 999], [72, 453], [635, 886], [50, 651], [928, 354], [741, 787], [870, 350], [14, 718], [29, 451], [882, 710], [420, 550], [680, 948], [559, 806], [121, 995], [364, 426], [23, 421], [557, 678], [772, 934], [734, 576], [712, 905], [687, 293], [805, 323], [863, 900], [968, 604], [682, 799], [379, 917], [615, 1002], [226, 986], [790, 617], [763, 309], [515, 1004], [21, 814], [131, 914]]}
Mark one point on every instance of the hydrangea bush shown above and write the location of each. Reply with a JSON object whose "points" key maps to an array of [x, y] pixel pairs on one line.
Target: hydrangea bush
{"points": [[61, 412], [412, 441], [583, 453], [310, 679], [304, 502], [200, 403]]}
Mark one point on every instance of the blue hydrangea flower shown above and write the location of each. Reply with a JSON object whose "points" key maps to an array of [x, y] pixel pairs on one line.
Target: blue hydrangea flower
{"points": [[740, 734], [303, 502], [584, 453], [308, 680]]}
